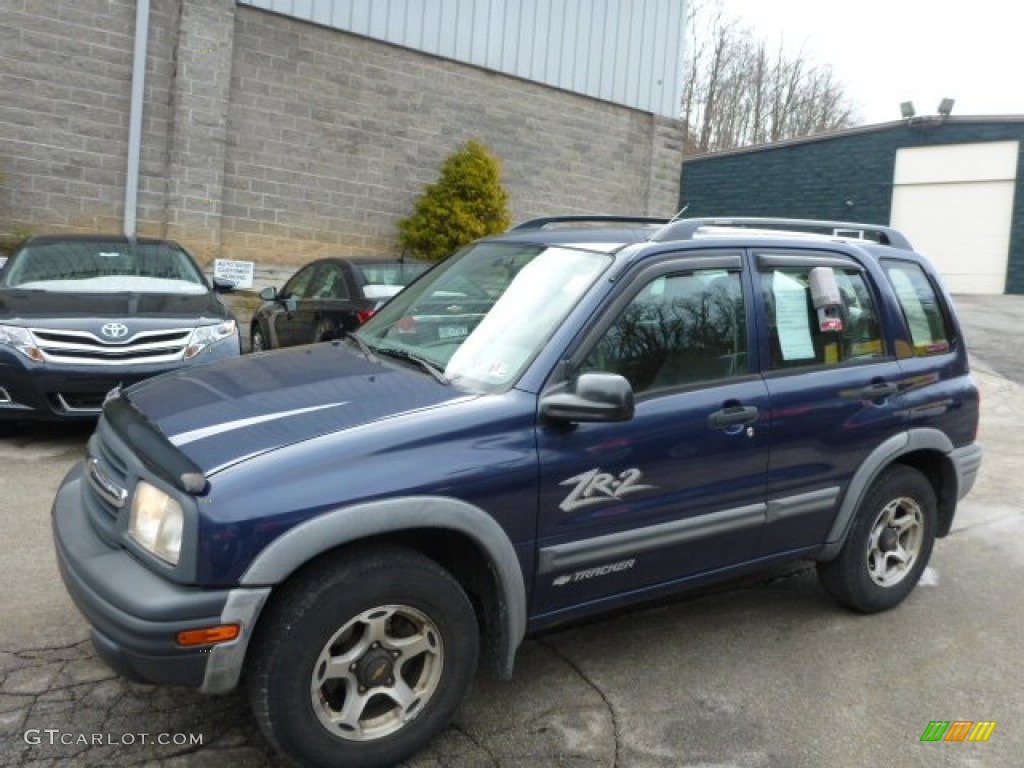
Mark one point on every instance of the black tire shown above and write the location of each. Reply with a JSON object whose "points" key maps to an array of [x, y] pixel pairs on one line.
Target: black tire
{"points": [[325, 331], [888, 546], [384, 595], [257, 341]]}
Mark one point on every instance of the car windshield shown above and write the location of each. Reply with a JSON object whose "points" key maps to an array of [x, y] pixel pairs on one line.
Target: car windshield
{"points": [[104, 267], [482, 315]]}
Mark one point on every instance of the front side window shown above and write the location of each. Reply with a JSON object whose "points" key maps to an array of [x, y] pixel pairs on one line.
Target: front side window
{"points": [[483, 314], [798, 335], [329, 284], [92, 266], [922, 310], [299, 285], [680, 329]]}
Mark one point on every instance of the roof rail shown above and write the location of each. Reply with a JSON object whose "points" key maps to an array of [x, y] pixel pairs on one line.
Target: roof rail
{"points": [[547, 221], [687, 229]]}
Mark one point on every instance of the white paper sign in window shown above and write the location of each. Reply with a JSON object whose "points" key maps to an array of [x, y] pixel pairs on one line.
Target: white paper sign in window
{"points": [[791, 319]]}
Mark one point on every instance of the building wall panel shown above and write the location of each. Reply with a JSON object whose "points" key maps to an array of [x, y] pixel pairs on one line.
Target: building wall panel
{"points": [[850, 176], [626, 51]]}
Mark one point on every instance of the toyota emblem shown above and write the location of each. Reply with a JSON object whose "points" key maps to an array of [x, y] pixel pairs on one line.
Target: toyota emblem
{"points": [[114, 330]]}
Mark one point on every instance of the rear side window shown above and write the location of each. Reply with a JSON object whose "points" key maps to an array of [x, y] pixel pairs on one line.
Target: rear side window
{"points": [[922, 308], [798, 338]]}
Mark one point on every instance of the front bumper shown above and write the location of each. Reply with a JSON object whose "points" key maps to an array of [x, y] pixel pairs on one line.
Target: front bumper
{"points": [[136, 614], [34, 391]]}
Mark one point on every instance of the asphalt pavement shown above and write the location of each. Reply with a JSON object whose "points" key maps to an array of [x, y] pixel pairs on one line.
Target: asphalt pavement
{"points": [[762, 673]]}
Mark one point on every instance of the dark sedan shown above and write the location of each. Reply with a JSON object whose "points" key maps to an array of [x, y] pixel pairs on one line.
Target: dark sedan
{"points": [[82, 314], [328, 298]]}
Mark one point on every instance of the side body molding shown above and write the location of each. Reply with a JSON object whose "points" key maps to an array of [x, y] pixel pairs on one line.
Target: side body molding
{"points": [[870, 468], [347, 524]]}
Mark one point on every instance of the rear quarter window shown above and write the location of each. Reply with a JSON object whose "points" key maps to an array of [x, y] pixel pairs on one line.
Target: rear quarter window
{"points": [[923, 308]]}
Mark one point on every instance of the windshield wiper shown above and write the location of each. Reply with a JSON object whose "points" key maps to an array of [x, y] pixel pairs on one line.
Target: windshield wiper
{"points": [[365, 348], [426, 365]]}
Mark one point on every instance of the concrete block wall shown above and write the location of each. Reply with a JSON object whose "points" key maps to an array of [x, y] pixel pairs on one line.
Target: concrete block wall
{"points": [[65, 80], [270, 139]]}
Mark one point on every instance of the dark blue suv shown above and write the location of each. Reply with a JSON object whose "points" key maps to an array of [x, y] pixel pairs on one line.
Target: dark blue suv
{"points": [[549, 424]]}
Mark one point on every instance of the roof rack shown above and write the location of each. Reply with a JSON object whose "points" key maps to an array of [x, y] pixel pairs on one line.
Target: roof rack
{"points": [[688, 229], [547, 221]]}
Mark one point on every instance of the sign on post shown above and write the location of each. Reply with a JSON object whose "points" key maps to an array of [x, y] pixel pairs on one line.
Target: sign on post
{"points": [[238, 272]]}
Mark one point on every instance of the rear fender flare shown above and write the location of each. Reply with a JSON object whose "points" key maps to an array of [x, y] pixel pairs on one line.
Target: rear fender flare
{"points": [[875, 463]]}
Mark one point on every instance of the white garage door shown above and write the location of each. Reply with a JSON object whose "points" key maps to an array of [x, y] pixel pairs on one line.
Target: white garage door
{"points": [[955, 203]]}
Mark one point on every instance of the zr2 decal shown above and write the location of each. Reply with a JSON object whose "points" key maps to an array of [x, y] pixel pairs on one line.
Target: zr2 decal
{"points": [[597, 487]]}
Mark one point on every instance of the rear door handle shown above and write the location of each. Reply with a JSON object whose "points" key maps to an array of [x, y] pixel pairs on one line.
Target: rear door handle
{"points": [[733, 416]]}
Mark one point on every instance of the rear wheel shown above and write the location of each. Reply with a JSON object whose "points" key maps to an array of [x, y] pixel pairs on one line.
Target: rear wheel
{"points": [[324, 331], [362, 663], [259, 341], [889, 545]]}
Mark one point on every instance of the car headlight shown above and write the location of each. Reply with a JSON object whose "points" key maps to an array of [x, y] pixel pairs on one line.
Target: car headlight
{"points": [[157, 522], [205, 336], [21, 340]]}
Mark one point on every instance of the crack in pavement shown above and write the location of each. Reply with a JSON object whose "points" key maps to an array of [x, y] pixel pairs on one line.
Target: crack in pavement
{"points": [[544, 643], [59, 704], [475, 742]]}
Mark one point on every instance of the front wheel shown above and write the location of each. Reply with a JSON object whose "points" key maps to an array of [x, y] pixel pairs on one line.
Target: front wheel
{"points": [[889, 545], [362, 662]]}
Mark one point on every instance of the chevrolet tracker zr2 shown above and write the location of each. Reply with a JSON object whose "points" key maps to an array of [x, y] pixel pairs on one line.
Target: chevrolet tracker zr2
{"points": [[553, 422]]}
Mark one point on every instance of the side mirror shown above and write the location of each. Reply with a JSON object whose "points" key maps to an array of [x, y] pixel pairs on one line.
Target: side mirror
{"points": [[223, 285], [268, 294], [595, 397]]}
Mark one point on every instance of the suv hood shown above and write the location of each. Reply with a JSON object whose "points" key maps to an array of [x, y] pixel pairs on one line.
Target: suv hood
{"points": [[68, 310], [222, 413]]}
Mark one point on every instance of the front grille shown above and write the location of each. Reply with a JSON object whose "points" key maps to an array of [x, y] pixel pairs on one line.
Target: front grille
{"points": [[112, 475], [59, 346]]}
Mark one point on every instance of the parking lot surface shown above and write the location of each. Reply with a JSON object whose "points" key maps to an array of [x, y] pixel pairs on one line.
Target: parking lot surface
{"points": [[763, 672]]}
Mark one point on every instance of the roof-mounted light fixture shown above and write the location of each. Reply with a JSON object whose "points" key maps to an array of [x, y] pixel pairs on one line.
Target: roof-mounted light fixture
{"points": [[907, 109], [945, 107]]}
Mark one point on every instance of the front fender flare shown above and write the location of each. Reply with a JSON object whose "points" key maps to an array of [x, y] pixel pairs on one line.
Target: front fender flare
{"points": [[299, 545]]}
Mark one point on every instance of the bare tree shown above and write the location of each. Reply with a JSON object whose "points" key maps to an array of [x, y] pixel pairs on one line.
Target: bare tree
{"points": [[736, 93]]}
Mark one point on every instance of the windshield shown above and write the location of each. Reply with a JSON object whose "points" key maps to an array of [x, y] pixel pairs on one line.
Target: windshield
{"points": [[104, 267], [482, 315]]}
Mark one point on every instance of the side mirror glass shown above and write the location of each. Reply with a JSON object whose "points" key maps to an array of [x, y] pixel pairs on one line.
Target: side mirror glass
{"points": [[268, 294]]}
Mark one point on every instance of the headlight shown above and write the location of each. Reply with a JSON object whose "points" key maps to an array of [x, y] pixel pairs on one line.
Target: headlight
{"points": [[21, 340], [205, 336], [157, 522]]}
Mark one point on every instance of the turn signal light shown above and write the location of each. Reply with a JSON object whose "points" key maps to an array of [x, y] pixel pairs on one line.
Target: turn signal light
{"points": [[208, 635]]}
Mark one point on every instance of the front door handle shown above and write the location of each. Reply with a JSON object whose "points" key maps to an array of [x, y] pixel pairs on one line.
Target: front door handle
{"points": [[733, 416], [878, 390]]}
